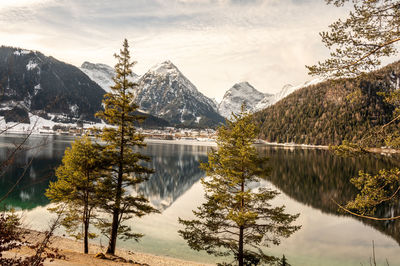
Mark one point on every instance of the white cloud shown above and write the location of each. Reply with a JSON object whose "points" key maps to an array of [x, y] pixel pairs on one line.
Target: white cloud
{"points": [[216, 43]]}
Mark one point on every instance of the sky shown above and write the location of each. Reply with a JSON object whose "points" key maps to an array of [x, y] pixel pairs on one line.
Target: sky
{"points": [[215, 43]]}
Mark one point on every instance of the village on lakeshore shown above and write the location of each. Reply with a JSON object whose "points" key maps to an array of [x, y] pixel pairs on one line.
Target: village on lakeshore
{"points": [[80, 129]]}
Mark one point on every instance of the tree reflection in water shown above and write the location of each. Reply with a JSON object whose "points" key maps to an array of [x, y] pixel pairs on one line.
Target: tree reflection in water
{"points": [[311, 177], [316, 177]]}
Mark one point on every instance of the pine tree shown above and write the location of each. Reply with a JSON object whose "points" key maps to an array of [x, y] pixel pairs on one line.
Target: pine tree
{"points": [[236, 219], [284, 261], [359, 42], [126, 168], [74, 192]]}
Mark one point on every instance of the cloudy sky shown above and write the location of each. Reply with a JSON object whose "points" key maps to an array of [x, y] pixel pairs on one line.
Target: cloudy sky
{"points": [[215, 43]]}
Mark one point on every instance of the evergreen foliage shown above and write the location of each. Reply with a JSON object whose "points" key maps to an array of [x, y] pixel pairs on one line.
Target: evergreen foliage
{"points": [[369, 33], [284, 261], [236, 219], [331, 112], [125, 165], [359, 41], [375, 190], [74, 192]]}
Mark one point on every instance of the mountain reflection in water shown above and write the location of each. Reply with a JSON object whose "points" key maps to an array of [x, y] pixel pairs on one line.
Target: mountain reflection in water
{"points": [[310, 177], [176, 170]]}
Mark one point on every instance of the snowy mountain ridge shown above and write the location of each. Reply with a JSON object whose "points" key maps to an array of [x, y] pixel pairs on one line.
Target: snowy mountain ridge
{"points": [[285, 91], [254, 99], [165, 92], [165, 81], [240, 93]]}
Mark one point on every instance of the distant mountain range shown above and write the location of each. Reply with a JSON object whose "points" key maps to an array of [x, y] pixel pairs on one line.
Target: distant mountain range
{"points": [[32, 83], [255, 100], [165, 92], [317, 112]]}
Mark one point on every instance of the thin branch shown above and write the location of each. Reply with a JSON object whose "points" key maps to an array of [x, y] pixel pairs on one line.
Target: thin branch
{"points": [[18, 180], [365, 216], [16, 149], [371, 52], [389, 198]]}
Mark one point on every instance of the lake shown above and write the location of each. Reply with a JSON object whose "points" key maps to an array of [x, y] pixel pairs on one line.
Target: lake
{"points": [[308, 178]]}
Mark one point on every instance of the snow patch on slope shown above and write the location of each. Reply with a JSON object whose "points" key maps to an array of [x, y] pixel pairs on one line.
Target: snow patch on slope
{"points": [[31, 65], [22, 52], [164, 91], [285, 91], [240, 93], [102, 74]]}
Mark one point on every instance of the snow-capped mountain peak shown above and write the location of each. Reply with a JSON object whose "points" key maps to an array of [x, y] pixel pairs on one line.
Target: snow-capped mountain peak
{"points": [[240, 93], [164, 91], [166, 67]]}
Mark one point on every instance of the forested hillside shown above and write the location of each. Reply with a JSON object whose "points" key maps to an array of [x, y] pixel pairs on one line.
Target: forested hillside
{"points": [[331, 111]]}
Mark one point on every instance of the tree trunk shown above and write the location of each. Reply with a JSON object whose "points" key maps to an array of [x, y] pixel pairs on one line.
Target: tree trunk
{"points": [[116, 212], [86, 237], [240, 254], [86, 217], [241, 229], [115, 222]]}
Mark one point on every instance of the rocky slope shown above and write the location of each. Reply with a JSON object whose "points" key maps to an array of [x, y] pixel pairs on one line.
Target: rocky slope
{"points": [[101, 74], [165, 92], [237, 95], [33, 82], [255, 100]]}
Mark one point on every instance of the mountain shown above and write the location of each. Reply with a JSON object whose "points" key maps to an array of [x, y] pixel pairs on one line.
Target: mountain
{"points": [[235, 96], [101, 74], [33, 82], [165, 92], [285, 91], [255, 100], [331, 111]]}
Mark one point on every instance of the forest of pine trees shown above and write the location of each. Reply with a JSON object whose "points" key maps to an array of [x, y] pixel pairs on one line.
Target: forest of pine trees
{"points": [[332, 111]]}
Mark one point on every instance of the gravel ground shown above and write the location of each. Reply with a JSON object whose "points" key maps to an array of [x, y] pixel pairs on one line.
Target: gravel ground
{"points": [[72, 249]]}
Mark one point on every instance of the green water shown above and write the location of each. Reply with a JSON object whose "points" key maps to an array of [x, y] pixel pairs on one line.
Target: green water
{"points": [[308, 180]]}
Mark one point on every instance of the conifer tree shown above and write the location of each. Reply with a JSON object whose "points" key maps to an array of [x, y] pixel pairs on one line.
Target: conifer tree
{"points": [[126, 168], [284, 262], [358, 42], [236, 219], [74, 192], [370, 32]]}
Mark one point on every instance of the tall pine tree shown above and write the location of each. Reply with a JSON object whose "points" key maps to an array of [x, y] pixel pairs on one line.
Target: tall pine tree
{"points": [[236, 219], [74, 192], [126, 168]]}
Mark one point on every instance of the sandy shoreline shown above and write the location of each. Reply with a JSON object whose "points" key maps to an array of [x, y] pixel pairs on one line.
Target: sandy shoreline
{"points": [[73, 251]]}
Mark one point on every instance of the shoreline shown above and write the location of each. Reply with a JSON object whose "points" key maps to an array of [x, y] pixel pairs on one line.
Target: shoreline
{"points": [[73, 251], [208, 143]]}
